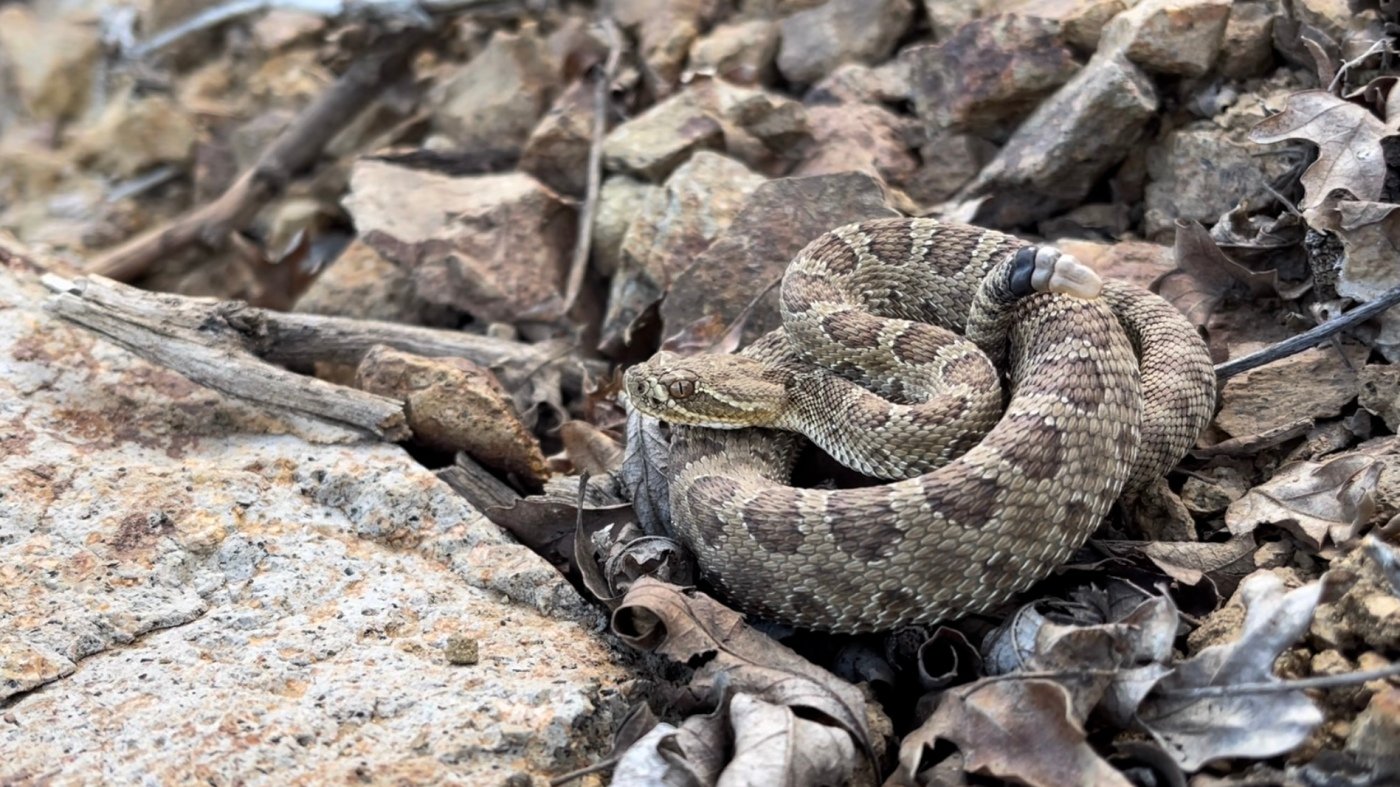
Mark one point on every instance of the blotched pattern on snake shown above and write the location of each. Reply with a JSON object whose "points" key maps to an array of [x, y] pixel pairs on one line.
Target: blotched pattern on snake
{"points": [[1107, 387]]}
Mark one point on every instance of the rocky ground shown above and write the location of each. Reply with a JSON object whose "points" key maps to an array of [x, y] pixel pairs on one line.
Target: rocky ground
{"points": [[313, 514]]}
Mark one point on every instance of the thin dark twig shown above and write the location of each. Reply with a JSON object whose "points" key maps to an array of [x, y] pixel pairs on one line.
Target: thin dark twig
{"points": [[1309, 338], [1278, 687], [584, 245]]}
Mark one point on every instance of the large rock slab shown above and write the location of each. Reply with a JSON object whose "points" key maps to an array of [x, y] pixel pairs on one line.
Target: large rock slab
{"points": [[492, 102], [193, 590]]}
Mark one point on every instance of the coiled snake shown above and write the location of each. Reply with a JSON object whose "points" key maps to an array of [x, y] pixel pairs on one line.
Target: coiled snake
{"points": [[1108, 387]]}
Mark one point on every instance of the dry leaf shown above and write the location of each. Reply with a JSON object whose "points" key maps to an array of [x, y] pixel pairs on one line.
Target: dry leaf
{"points": [[1109, 661], [640, 556], [590, 449], [773, 745], [1019, 730], [692, 754], [1189, 562], [1198, 727], [1204, 275], [1317, 501], [1370, 235], [546, 524], [694, 628], [644, 472], [1348, 139]]}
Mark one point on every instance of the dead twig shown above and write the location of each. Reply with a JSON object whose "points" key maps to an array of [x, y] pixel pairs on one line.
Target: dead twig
{"points": [[294, 151], [1320, 682], [601, 90], [1308, 339]]}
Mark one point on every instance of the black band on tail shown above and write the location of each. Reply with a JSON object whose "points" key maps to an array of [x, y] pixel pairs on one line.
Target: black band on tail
{"points": [[1022, 266]]}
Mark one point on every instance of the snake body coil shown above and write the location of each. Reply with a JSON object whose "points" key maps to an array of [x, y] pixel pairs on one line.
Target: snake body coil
{"points": [[1105, 393]]}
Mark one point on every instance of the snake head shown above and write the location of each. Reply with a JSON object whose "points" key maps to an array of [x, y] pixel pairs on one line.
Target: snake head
{"points": [[715, 391]]}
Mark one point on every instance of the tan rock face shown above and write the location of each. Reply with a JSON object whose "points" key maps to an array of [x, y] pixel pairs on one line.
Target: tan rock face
{"points": [[989, 74], [256, 592], [51, 59], [557, 150], [1169, 36], [817, 40], [455, 405], [494, 246], [775, 222], [492, 103], [670, 231], [740, 52], [1052, 160]]}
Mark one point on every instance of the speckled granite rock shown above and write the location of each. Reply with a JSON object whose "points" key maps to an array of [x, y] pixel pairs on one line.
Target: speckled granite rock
{"points": [[192, 590]]}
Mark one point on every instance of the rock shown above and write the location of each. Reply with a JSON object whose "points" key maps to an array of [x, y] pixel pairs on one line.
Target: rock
{"points": [[362, 284], [1373, 736], [1314, 384], [557, 150], [1199, 172], [455, 405], [494, 246], [671, 230], [887, 83], [989, 74], [258, 592], [50, 60], [1057, 154], [817, 40], [665, 30], [1101, 220], [136, 135], [1169, 36], [1380, 392], [280, 29], [1081, 22], [858, 138], [1247, 49], [1333, 17], [619, 200], [739, 52], [948, 162], [492, 102], [946, 16], [764, 130], [775, 222], [655, 142]]}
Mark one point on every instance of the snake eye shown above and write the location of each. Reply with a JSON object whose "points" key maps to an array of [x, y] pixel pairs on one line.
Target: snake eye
{"points": [[680, 389]]}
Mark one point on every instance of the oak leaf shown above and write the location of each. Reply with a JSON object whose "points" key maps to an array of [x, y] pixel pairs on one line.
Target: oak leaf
{"points": [[1348, 139]]}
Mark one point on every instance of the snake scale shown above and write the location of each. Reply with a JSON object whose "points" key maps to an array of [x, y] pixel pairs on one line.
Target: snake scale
{"points": [[1107, 386]]}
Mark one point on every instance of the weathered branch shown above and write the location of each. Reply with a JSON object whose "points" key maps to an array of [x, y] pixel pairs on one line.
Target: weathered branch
{"points": [[186, 336], [234, 348]]}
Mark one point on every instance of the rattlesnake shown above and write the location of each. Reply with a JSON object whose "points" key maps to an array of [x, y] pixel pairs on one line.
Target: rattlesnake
{"points": [[1107, 391]]}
